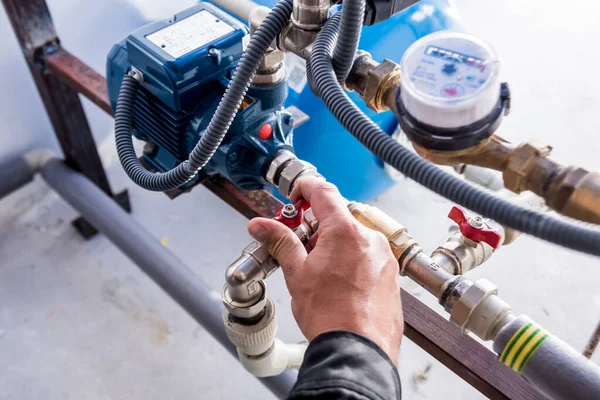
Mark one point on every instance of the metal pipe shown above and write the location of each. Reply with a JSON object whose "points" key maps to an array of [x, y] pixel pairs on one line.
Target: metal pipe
{"points": [[421, 269], [310, 14], [17, 172], [241, 8], [556, 369], [14, 173], [162, 266]]}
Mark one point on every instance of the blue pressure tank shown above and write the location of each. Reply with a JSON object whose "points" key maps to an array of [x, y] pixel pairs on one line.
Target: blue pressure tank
{"points": [[323, 141]]}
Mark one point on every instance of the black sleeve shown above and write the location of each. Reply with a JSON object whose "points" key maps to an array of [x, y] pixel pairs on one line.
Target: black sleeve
{"points": [[344, 365]]}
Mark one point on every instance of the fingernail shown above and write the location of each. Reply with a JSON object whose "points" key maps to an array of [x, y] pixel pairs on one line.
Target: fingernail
{"points": [[258, 232]]}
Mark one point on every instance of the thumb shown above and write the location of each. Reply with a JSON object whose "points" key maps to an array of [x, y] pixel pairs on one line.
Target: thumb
{"points": [[281, 241]]}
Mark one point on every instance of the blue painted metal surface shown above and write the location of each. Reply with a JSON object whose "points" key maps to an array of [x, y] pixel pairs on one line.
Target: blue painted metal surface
{"points": [[325, 143], [178, 97]]}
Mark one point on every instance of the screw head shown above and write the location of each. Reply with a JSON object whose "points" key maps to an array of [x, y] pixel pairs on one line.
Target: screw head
{"points": [[213, 51], [477, 222], [289, 211]]}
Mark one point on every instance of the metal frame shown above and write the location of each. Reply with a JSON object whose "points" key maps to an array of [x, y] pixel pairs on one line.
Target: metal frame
{"points": [[60, 76], [33, 27]]}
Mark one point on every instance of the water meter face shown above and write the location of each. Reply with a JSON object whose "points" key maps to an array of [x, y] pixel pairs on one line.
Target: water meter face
{"points": [[450, 71]]}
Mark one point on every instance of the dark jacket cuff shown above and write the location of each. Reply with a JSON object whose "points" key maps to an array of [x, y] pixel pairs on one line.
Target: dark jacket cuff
{"points": [[345, 365]]}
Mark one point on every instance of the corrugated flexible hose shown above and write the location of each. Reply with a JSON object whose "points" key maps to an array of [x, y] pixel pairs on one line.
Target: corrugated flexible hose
{"points": [[543, 226], [220, 122], [346, 46]]}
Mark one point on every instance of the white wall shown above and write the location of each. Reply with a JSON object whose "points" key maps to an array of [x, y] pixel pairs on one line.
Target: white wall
{"points": [[88, 29]]}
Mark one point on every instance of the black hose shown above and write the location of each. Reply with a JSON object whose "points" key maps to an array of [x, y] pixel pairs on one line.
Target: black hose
{"points": [[211, 139], [346, 46], [427, 174], [158, 182]]}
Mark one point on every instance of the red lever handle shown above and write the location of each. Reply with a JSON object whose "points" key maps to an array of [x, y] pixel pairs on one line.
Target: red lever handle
{"points": [[283, 214], [483, 234]]}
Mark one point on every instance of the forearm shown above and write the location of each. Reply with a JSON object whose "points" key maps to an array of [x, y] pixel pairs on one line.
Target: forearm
{"points": [[344, 365]]}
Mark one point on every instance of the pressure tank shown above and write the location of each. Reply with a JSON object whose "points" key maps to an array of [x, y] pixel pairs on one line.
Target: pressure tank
{"points": [[322, 140]]}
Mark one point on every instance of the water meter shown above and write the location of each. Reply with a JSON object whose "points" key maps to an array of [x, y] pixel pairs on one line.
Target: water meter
{"points": [[451, 97]]}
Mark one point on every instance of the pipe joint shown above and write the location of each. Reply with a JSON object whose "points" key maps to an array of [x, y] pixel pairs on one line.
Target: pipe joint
{"points": [[310, 14], [259, 351], [376, 83]]}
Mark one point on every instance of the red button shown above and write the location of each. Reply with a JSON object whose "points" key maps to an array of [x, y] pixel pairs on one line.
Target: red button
{"points": [[265, 132]]}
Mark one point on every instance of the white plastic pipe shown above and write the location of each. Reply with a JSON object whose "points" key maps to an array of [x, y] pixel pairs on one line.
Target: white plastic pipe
{"points": [[280, 358], [240, 8]]}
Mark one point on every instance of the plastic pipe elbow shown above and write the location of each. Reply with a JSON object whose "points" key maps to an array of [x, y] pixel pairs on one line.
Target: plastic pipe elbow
{"points": [[279, 358]]}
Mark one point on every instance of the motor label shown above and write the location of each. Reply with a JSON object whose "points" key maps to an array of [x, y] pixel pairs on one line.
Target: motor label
{"points": [[190, 34], [296, 72]]}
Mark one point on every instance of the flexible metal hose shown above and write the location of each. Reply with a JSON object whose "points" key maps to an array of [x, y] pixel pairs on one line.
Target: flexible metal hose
{"points": [[221, 121], [427, 174]]}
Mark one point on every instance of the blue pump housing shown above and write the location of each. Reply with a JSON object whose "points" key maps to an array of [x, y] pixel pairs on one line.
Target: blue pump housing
{"points": [[324, 142], [184, 78], [180, 94]]}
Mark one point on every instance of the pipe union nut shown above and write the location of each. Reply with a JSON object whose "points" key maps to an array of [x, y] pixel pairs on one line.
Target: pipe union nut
{"points": [[473, 297], [521, 162], [274, 171], [245, 310], [291, 173], [379, 80], [310, 14], [255, 339]]}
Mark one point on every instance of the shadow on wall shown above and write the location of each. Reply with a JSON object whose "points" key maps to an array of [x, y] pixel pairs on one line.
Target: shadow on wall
{"points": [[87, 28]]}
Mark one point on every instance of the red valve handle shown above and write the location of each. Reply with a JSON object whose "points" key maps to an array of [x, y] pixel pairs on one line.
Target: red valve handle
{"points": [[485, 235], [296, 221]]}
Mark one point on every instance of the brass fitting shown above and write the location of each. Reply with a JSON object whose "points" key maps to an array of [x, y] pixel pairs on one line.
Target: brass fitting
{"points": [[373, 218], [376, 83], [521, 163], [576, 193], [572, 191], [492, 153]]}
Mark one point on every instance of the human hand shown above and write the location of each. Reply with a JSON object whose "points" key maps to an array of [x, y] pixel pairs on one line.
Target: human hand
{"points": [[347, 279]]}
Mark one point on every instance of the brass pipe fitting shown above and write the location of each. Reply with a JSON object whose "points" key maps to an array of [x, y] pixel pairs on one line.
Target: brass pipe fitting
{"points": [[373, 218], [575, 192], [572, 191], [492, 153], [376, 83], [524, 163]]}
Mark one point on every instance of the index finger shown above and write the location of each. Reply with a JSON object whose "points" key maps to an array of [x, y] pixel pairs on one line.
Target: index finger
{"points": [[324, 198]]}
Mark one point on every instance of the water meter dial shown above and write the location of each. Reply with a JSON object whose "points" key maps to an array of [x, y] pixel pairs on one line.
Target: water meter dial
{"points": [[451, 97]]}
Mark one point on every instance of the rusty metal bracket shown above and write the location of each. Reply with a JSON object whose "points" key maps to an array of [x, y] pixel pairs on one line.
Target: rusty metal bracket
{"points": [[34, 29]]}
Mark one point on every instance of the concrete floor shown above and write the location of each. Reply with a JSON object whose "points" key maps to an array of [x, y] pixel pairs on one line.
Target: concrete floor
{"points": [[79, 321]]}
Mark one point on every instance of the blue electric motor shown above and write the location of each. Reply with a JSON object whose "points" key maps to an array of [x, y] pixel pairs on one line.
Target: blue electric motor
{"points": [[185, 64], [185, 76]]}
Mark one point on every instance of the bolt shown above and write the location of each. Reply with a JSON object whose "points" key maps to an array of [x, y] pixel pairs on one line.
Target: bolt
{"points": [[477, 223], [289, 211], [213, 51]]}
